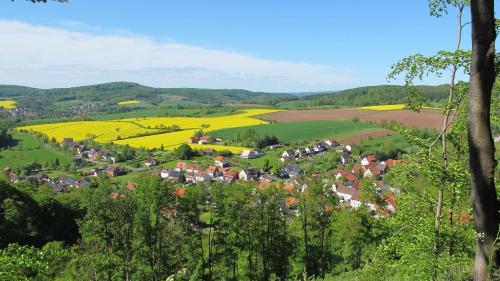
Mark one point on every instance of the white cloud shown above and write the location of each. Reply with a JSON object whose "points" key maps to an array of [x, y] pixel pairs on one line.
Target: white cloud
{"points": [[46, 57]]}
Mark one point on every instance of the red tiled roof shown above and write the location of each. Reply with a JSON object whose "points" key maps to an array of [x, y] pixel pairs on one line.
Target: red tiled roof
{"points": [[289, 187], [131, 185], [181, 165], [194, 166], [212, 169], [357, 169], [348, 190], [348, 175], [373, 167], [391, 162], [180, 191], [219, 158], [231, 174], [291, 201]]}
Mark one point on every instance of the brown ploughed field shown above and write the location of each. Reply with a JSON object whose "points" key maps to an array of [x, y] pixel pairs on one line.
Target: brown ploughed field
{"points": [[426, 118]]}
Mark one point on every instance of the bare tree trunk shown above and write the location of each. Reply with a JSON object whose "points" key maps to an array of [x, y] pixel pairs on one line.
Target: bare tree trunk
{"points": [[443, 135], [481, 147]]}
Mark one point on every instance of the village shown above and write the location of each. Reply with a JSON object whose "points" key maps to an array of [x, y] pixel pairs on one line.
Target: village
{"points": [[346, 179]]}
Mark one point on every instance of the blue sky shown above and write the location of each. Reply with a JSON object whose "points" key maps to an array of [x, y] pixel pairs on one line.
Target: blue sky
{"points": [[258, 45]]}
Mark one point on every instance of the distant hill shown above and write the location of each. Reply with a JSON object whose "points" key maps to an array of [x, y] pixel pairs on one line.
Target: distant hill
{"points": [[117, 91], [374, 95], [112, 93]]}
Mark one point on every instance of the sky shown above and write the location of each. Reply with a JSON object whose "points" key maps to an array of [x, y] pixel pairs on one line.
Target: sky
{"points": [[261, 45]]}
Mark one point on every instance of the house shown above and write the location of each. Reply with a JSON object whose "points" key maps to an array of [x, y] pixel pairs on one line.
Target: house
{"points": [[114, 171], [166, 173], [194, 168], [13, 177], [249, 154], [78, 160], [205, 140], [301, 152], [40, 178], [7, 170], [287, 155], [150, 162], [289, 187], [345, 157], [181, 166], [348, 147], [248, 174], [348, 195], [94, 154], [220, 161], [67, 142], [368, 159], [274, 146], [267, 178], [208, 151], [202, 176], [230, 176], [81, 149], [372, 170], [391, 163], [291, 202], [318, 148], [193, 140], [347, 175], [291, 170], [331, 143], [213, 171], [310, 150], [82, 183], [61, 183], [180, 191], [109, 157]]}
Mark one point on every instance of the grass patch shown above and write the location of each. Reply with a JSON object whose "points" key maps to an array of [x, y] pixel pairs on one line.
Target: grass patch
{"points": [[29, 150], [301, 131]]}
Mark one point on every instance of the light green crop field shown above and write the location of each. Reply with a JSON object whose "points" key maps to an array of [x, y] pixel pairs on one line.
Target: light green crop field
{"points": [[302, 131], [29, 150]]}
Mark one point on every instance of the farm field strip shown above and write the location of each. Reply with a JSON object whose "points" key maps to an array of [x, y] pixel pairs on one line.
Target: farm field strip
{"points": [[426, 118], [388, 107], [128, 102], [303, 131], [9, 104], [123, 131]]}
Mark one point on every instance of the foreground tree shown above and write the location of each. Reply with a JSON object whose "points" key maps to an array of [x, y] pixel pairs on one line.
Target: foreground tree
{"points": [[481, 147]]}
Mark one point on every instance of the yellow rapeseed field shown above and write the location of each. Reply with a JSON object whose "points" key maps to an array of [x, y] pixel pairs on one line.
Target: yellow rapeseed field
{"points": [[100, 131], [124, 131], [128, 102], [384, 107], [8, 104], [390, 107]]}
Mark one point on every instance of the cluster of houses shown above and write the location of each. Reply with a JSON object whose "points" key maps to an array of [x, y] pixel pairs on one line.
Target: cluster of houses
{"points": [[317, 148], [221, 172], [348, 182], [202, 140], [84, 153], [59, 184]]}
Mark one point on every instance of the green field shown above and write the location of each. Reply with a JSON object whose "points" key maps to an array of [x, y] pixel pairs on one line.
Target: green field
{"points": [[29, 150], [302, 131], [385, 147]]}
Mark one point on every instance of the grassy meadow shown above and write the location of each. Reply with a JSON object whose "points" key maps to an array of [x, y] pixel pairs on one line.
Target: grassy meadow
{"points": [[28, 150], [302, 131]]}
